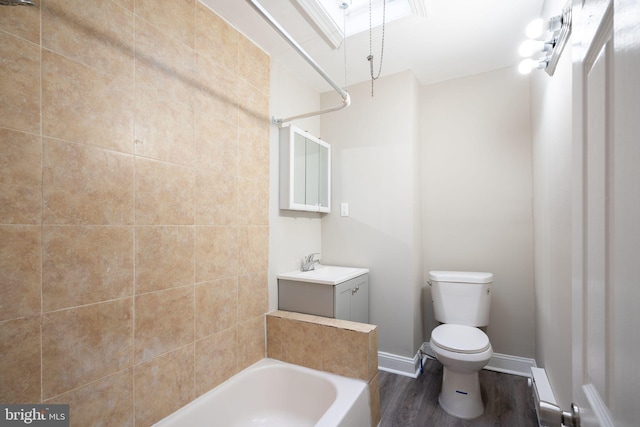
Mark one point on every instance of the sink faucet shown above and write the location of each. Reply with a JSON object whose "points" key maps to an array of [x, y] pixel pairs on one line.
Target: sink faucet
{"points": [[309, 263]]}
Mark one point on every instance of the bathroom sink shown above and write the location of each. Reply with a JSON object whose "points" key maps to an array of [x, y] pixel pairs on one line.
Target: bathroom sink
{"points": [[325, 274]]}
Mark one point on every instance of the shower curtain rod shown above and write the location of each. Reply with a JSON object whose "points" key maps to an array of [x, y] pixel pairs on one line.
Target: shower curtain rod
{"points": [[346, 99]]}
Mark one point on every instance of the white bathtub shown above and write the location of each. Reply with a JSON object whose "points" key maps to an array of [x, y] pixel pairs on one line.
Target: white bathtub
{"points": [[272, 393]]}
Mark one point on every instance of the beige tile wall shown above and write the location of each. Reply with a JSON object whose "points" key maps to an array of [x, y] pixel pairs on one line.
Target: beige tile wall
{"points": [[134, 170], [341, 347]]}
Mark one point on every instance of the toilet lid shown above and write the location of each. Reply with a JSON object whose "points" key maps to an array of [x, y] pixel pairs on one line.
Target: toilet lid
{"points": [[460, 338]]}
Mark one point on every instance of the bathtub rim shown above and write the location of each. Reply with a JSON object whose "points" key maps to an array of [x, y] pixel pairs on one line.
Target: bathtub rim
{"points": [[352, 395]]}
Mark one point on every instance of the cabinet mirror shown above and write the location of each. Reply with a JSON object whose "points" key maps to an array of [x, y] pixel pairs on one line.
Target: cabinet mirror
{"points": [[305, 171]]}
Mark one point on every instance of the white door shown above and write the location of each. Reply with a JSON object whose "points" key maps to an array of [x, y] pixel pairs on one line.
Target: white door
{"points": [[606, 233]]}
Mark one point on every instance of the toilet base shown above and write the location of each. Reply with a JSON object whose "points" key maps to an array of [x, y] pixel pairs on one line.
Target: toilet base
{"points": [[460, 395]]}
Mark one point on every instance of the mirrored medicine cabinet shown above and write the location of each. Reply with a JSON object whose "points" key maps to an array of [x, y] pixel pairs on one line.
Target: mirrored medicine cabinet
{"points": [[305, 171]]}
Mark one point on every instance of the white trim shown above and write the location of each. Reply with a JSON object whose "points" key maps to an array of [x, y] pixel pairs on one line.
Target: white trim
{"points": [[418, 8], [325, 24], [598, 406], [508, 364], [401, 365], [410, 367]]}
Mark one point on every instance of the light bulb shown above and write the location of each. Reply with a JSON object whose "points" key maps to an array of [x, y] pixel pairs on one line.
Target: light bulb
{"points": [[535, 28], [526, 66], [528, 47]]}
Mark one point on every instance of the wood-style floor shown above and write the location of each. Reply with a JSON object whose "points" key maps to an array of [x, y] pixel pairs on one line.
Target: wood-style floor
{"points": [[408, 402]]}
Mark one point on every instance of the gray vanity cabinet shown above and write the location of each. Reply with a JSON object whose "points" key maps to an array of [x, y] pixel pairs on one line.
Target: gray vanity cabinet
{"points": [[348, 300], [352, 299]]}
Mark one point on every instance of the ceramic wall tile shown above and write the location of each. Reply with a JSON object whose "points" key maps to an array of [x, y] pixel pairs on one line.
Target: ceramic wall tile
{"points": [[86, 264], [216, 359], [130, 270], [20, 361], [86, 185], [164, 130], [253, 295], [216, 252], [20, 84], [217, 90], [217, 198], [98, 34], [216, 39], [216, 306], [163, 64], [83, 104], [164, 193], [253, 245], [345, 353], [302, 343], [127, 4], [164, 322], [21, 178], [217, 144], [253, 126], [176, 18], [83, 344], [164, 257], [254, 194], [20, 271], [107, 400], [373, 353], [253, 108], [251, 342], [163, 385], [274, 337], [23, 22], [253, 65]]}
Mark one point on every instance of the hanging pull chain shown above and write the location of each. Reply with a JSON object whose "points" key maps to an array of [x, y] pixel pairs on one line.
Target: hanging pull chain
{"points": [[344, 7], [370, 57]]}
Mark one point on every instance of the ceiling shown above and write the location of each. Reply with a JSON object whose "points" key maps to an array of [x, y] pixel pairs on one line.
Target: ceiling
{"points": [[457, 38]]}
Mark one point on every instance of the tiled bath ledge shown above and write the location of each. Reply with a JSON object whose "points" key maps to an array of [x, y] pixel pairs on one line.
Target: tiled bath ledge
{"points": [[341, 347]]}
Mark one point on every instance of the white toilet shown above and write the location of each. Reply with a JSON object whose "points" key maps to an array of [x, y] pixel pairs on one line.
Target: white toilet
{"points": [[461, 302]]}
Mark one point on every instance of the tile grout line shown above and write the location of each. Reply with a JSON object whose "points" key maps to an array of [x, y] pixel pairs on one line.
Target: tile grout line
{"points": [[41, 213], [135, 235], [194, 226]]}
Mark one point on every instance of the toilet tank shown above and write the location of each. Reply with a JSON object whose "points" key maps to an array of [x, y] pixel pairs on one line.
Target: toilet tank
{"points": [[461, 297]]}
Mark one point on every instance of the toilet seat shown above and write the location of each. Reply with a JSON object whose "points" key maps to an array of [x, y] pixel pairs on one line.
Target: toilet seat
{"points": [[460, 339]]}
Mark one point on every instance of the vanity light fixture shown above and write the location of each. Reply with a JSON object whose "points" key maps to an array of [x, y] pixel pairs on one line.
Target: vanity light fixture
{"points": [[546, 41]]}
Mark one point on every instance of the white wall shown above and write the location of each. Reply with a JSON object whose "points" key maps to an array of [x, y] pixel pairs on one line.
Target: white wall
{"points": [[551, 119], [477, 195], [292, 234], [374, 147], [444, 169], [552, 158]]}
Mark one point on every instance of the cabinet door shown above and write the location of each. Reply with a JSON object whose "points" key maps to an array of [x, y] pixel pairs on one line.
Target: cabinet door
{"points": [[299, 168], [343, 301], [360, 303], [323, 168], [352, 299]]}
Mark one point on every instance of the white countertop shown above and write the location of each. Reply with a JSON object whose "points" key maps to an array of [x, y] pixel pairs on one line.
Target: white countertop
{"points": [[325, 274]]}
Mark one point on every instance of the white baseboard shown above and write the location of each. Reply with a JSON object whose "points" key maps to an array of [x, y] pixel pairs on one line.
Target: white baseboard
{"points": [[514, 365], [410, 367], [401, 365]]}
